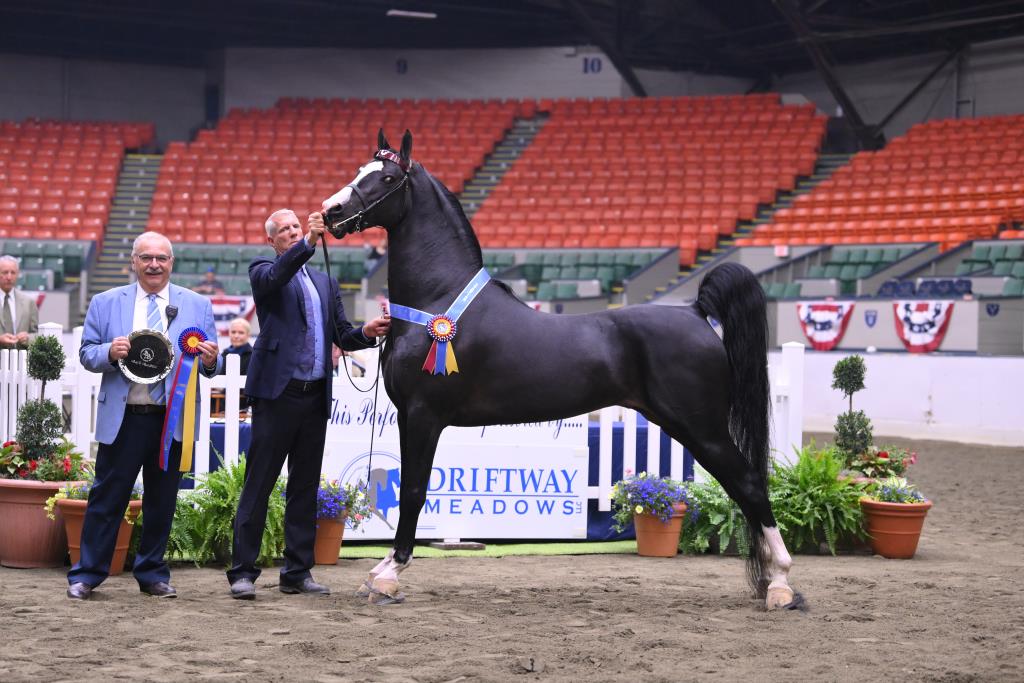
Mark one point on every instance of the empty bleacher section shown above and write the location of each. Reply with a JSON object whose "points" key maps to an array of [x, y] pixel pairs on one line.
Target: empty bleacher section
{"points": [[221, 187], [945, 181], [231, 264], [57, 178], [659, 172]]}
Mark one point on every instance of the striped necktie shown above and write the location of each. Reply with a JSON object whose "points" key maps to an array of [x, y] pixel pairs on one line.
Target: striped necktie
{"points": [[155, 322]]}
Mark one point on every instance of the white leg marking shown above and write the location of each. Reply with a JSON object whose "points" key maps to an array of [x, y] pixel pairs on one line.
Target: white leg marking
{"points": [[779, 592]]}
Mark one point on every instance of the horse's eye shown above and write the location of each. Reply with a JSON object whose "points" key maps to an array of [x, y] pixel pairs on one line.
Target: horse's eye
{"points": [[389, 179]]}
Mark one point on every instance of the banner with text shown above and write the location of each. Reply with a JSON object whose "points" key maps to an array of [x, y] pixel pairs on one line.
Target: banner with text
{"points": [[506, 481]]}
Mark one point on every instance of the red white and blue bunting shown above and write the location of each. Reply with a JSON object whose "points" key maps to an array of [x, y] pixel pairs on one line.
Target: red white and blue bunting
{"points": [[921, 325], [824, 322]]}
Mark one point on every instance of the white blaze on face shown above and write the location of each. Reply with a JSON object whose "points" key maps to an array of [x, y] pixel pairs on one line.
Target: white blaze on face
{"points": [[341, 197]]}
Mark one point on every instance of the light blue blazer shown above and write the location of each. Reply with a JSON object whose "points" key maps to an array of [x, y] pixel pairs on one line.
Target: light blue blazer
{"points": [[110, 315]]}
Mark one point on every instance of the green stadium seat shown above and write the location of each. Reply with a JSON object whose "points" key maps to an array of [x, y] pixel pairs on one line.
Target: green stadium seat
{"points": [[186, 267], [32, 250], [586, 273], [606, 274], [552, 258], [1018, 269], [566, 290], [606, 257], [775, 290], [588, 258], [1002, 268], [832, 270], [857, 256], [545, 291], [1014, 251], [873, 255], [568, 273], [864, 270], [996, 252], [227, 268], [890, 255], [979, 252], [966, 268], [1013, 287], [907, 251], [792, 290], [839, 256], [570, 258], [550, 273], [848, 272], [815, 271]]}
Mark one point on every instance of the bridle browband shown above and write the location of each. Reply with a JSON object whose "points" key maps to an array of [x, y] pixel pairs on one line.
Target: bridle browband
{"points": [[359, 220]]}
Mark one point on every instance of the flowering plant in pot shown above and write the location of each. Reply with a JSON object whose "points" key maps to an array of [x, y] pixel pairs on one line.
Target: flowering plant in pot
{"points": [[656, 506], [30, 465], [337, 506], [881, 463], [894, 512], [71, 500]]}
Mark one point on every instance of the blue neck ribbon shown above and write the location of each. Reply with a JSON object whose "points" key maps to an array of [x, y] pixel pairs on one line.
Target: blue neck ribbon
{"points": [[442, 327]]}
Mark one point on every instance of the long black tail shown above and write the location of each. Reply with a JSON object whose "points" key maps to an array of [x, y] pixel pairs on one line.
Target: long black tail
{"points": [[732, 295]]}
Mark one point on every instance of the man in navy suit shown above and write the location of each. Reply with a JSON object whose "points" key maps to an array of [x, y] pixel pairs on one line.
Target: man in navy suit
{"points": [[289, 386], [130, 417]]}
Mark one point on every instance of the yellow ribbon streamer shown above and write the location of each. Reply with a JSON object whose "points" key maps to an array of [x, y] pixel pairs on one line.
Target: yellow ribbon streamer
{"points": [[188, 429], [450, 365]]}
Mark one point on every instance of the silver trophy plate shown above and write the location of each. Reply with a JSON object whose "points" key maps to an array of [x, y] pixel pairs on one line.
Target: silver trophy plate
{"points": [[150, 357]]}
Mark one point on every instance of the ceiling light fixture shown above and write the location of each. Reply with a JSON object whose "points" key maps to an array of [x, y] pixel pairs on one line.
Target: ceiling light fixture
{"points": [[409, 14]]}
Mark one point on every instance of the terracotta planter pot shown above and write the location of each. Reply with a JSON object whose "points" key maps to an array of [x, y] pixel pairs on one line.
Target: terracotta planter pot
{"points": [[328, 541], [655, 538], [73, 512], [894, 528], [28, 538]]}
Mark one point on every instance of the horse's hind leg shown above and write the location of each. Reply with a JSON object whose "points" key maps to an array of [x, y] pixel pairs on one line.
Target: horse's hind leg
{"points": [[770, 562]]}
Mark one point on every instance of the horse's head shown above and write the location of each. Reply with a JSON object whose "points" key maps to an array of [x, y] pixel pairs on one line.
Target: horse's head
{"points": [[378, 195]]}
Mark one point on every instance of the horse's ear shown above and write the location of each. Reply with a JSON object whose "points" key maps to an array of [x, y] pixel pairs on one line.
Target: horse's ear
{"points": [[406, 151], [382, 142]]}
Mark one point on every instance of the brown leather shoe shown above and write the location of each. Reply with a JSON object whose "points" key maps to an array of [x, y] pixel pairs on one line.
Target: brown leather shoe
{"points": [[79, 591], [160, 589], [307, 585]]}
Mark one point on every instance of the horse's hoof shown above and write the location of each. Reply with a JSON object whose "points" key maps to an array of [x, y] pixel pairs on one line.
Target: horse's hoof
{"points": [[364, 590], [385, 592], [381, 599], [778, 597]]}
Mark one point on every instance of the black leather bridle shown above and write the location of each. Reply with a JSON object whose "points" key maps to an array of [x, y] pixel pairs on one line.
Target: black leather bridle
{"points": [[361, 219]]}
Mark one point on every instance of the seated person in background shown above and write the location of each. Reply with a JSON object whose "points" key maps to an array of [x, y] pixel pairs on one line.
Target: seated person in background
{"points": [[20, 315], [375, 254], [210, 285], [238, 334]]}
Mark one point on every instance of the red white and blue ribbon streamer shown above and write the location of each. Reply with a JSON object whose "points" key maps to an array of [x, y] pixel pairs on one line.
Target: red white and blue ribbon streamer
{"points": [[182, 400], [442, 326]]}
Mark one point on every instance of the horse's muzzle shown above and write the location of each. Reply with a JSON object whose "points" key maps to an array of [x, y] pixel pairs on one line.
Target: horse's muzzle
{"points": [[338, 223]]}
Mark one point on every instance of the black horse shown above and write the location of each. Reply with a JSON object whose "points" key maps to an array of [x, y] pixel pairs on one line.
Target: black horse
{"points": [[518, 365]]}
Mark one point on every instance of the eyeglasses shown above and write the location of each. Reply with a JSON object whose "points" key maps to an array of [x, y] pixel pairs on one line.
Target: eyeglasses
{"points": [[159, 258]]}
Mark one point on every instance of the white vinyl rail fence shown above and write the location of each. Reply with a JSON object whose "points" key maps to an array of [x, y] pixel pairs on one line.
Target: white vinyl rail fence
{"points": [[82, 387]]}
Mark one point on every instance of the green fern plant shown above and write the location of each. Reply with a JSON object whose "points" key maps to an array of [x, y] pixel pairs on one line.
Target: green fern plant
{"points": [[812, 503], [718, 520], [204, 518]]}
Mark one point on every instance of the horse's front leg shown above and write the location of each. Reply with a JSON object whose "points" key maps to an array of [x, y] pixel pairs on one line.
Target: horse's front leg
{"points": [[418, 435]]}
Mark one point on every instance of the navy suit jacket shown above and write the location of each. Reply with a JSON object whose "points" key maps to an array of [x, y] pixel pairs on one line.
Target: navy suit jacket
{"points": [[281, 310]]}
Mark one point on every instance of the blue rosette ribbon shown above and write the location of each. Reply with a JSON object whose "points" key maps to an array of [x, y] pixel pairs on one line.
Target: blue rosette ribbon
{"points": [[182, 402]]}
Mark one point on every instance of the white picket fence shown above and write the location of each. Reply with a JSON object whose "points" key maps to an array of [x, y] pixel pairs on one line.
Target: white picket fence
{"points": [[82, 388]]}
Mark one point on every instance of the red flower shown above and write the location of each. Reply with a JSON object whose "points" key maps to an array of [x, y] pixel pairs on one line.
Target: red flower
{"points": [[32, 465], [883, 454], [67, 465], [9, 443], [913, 458]]}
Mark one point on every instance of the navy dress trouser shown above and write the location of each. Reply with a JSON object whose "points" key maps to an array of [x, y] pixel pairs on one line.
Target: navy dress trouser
{"points": [[291, 426], [136, 447]]}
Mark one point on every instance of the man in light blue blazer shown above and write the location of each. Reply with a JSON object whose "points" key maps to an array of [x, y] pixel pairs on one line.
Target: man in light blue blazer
{"points": [[130, 417]]}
